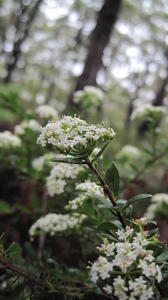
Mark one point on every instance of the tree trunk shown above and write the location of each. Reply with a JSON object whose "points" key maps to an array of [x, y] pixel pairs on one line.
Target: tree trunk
{"points": [[159, 97], [16, 53], [99, 39]]}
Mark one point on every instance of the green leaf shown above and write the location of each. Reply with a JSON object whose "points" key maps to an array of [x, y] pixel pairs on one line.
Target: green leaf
{"points": [[106, 226], [67, 161], [136, 199], [14, 252], [162, 257], [105, 201], [100, 153], [88, 208], [112, 178], [4, 207]]}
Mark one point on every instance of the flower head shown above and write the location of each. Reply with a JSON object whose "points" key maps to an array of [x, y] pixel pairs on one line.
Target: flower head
{"points": [[145, 111], [39, 162], [59, 175], [31, 124], [129, 153], [89, 96], [56, 223], [126, 267], [158, 206], [9, 140], [46, 112], [73, 136]]}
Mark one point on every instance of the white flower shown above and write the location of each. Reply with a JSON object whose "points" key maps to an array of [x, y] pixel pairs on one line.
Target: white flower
{"points": [[129, 153], [46, 112], [9, 140], [56, 223], [142, 221], [31, 124], [108, 289], [90, 187], [129, 258], [87, 189], [101, 268], [55, 186], [39, 162], [77, 202], [139, 289], [73, 136], [61, 172], [120, 290], [147, 110], [158, 206], [150, 269], [123, 234], [89, 96], [107, 248]]}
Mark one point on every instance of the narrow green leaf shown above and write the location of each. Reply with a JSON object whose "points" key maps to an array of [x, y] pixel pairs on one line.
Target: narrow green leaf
{"points": [[67, 161], [14, 252], [88, 208], [4, 207], [162, 257], [105, 201], [136, 199], [100, 153], [105, 226], [112, 178]]}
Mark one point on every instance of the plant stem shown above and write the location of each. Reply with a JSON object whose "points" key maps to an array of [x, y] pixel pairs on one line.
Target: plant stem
{"points": [[42, 236], [7, 266], [106, 190]]}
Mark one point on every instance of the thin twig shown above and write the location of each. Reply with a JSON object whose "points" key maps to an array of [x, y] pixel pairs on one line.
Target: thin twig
{"points": [[41, 242], [5, 264]]}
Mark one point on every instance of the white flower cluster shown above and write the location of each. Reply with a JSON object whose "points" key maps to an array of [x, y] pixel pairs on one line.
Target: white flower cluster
{"points": [[73, 136], [85, 189], [9, 140], [56, 223], [147, 110], [39, 163], [59, 175], [129, 153], [130, 255], [158, 207], [90, 187], [89, 96], [31, 124], [46, 112]]}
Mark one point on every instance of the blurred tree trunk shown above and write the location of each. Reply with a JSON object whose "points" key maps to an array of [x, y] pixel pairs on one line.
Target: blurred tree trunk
{"points": [[99, 39], [159, 96], [22, 28]]}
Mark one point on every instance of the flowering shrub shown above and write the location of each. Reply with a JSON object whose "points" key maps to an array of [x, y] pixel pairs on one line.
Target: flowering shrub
{"points": [[9, 140], [132, 263], [158, 207], [46, 112], [89, 97], [42, 161], [147, 111], [128, 154], [31, 124]]}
